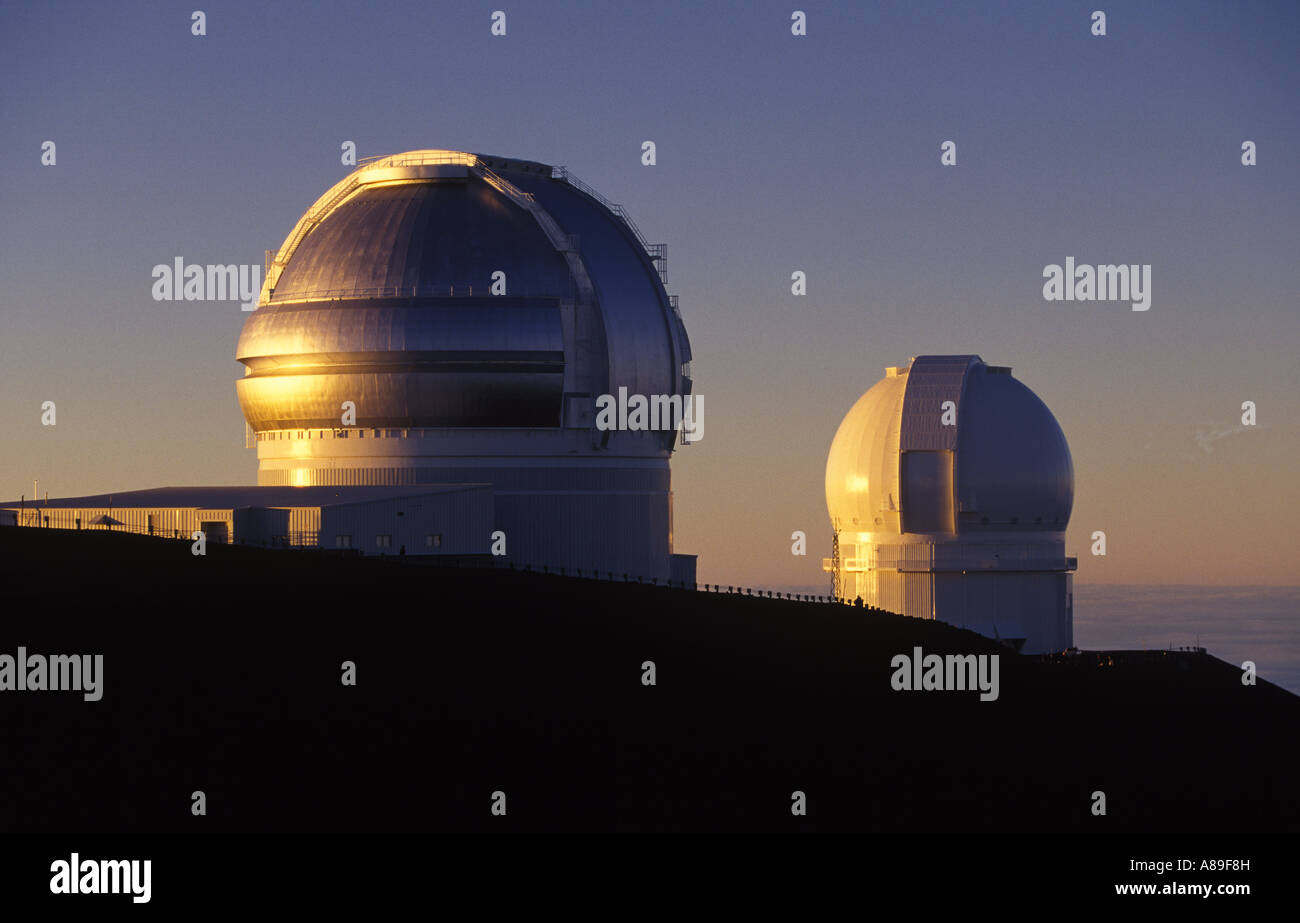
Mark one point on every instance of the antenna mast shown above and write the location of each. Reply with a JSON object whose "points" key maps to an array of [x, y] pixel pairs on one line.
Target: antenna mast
{"points": [[835, 561]]}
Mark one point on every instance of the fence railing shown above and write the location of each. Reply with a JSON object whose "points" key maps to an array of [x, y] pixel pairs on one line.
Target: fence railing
{"points": [[308, 540], [419, 159], [723, 589], [413, 291], [658, 253], [34, 519]]}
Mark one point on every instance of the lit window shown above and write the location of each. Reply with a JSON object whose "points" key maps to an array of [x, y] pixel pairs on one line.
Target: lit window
{"points": [[433, 541], [383, 541]]}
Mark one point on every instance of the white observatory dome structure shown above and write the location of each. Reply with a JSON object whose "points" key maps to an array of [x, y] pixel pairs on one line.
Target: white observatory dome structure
{"points": [[949, 486], [470, 310]]}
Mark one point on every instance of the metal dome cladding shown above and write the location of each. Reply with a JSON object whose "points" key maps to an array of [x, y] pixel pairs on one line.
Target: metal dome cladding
{"points": [[999, 464], [446, 289]]}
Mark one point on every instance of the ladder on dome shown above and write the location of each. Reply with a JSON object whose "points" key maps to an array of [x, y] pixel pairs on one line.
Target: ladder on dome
{"points": [[836, 562], [554, 233], [658, 253], [584, 303]]}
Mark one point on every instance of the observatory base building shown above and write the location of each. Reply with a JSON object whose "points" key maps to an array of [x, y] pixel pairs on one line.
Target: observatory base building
{"points": [[949, 486], [446, 520]]}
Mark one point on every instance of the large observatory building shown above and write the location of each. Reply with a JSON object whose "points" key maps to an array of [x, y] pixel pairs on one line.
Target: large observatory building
{"points": [[949, 486], [441, 317], [425, 373]]}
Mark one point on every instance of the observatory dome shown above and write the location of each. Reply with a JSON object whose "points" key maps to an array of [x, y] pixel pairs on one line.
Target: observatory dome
{"points": [[442, 317], [445, 289], [949, 486], [998, 464]]}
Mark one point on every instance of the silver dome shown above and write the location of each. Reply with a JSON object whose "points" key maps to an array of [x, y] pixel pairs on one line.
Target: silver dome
{"points": [[382, 296]]}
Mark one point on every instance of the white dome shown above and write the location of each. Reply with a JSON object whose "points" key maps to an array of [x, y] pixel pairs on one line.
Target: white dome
{"points": [[862, 469], [1002, 466]]}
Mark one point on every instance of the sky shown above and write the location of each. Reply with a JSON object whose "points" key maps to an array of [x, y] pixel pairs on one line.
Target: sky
{"points": [[775, 153]]}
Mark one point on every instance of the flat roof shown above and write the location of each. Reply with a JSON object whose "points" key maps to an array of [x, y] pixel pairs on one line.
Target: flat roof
{"points": [[219, 498]]}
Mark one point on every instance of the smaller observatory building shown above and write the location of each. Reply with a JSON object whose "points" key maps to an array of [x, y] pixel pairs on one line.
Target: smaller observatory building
{"points": [[949, 486]]}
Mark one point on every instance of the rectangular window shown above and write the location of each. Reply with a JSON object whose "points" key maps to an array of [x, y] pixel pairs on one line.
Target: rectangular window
{"points": [[343, 541], [383, 541], [433, 541]]}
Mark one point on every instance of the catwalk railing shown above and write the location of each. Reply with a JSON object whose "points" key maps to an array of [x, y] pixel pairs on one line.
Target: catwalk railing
{"points": [[298, 541], [658, 253], [416, 291]]}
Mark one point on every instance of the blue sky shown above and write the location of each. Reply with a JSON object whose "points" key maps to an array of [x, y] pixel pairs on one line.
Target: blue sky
{"points": [[775, 153]]}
